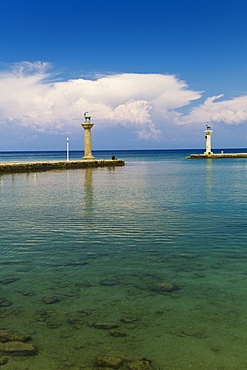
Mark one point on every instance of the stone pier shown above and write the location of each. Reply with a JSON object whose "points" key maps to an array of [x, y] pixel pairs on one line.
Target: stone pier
{"points": [[217, 155], [6, 167]]}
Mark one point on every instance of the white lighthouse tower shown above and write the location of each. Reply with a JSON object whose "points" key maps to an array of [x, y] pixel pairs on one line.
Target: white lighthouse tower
{"points": [[208, 133]]}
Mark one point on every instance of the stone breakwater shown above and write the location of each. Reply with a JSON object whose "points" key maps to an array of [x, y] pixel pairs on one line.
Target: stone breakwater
{"points": [[6, 167], [220, 155]]}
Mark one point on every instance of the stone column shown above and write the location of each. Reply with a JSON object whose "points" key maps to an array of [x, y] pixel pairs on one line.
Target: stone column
{"points": [[87, 140], [208, 133]]}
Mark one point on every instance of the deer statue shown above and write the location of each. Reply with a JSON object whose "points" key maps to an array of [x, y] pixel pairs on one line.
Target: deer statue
{"points": [[87, 118]]}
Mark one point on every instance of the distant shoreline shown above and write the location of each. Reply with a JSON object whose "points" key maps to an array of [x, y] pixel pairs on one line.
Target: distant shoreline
{"points": [[200, 150]]}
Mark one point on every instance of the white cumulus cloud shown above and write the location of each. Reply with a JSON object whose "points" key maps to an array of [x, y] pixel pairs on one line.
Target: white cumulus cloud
{"points": [[232, 111], [145, 104], [137, 101]]}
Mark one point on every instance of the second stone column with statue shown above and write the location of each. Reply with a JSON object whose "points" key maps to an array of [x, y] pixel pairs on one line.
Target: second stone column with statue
{"points": [[87, 125]]}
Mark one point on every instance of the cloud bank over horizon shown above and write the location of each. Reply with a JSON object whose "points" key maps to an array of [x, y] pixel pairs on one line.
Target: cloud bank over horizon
{"points": [[145, 104]]}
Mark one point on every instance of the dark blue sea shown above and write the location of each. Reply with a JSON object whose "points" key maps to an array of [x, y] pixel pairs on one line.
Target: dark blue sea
{"points": [[148, 261]]}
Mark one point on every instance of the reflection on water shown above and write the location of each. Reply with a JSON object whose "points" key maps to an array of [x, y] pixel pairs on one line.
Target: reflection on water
{"points": [[208, 178], [88, 186], [146, 260]]}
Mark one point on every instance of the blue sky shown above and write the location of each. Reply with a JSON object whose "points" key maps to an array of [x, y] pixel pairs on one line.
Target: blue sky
{"points": [[151, 73]]}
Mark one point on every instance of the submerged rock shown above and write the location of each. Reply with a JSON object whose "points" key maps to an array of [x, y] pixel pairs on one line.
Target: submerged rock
{"points": [[83, 285], [143, 364], [105, 325], [196, 333], [3, 361], [5, 303], [76, 263], [109, 282], [43, 315], [9, 281], [117, 334], [10, 336], [7, 312], [117, 363], [50, 299], [85, 313], [53, 325], [16, 348], [27, 294], [107, 361], [129, 320], [164, 287]]}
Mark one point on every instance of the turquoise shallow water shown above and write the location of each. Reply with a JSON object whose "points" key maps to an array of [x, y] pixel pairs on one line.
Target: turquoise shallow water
{"points": [[101, 240]]}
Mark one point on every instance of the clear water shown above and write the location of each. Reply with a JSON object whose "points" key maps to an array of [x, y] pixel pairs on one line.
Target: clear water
{"points": [[100, 239]]}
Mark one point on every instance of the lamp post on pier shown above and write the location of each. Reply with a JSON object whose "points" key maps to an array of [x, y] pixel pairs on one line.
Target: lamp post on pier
{"points": [[67, 148]]}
